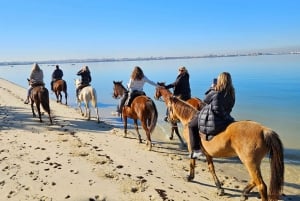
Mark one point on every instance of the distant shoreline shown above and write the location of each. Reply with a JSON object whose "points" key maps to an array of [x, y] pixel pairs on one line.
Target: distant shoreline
{"points": [[11, 63]]}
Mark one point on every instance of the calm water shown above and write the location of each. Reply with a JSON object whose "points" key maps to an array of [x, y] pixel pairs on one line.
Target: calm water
{"points": [[267, 87]]}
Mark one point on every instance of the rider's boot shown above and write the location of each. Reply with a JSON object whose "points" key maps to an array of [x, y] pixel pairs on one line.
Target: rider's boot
{"points": [[27, 100]]}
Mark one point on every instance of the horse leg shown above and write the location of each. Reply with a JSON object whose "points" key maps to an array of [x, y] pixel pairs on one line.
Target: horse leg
{"points": [[66, 96], [60, 97], [191, 176], [247, 190], [137, 130], [50, 118], [148, 134], [256, 180], [39, 110], [125, 125], [87, 111], [97, 113], [32, 109], [211, 168], [175, 129], [79, 106], [57, 98]]}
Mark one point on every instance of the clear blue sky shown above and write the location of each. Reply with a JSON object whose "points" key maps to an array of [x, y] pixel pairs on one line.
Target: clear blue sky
{"points": [[33, 30]]}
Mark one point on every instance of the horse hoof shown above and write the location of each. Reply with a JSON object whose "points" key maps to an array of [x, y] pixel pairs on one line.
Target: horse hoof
{"points": [[243, 198], [220, 192], [189, 178], [171, 138]]}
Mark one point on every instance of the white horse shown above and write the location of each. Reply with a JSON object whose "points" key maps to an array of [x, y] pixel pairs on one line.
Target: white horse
{"points": [[87, 95]]}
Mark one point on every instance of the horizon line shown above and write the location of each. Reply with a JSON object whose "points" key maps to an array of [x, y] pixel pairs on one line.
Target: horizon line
{"points": [[3, 63]]}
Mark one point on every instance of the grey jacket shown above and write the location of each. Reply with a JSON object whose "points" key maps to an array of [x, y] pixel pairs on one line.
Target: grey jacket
{"points": [[36, 77]]}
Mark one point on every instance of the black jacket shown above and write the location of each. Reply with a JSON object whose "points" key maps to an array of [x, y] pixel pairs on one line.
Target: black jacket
{"points": [[57, 74], [85, 77], [215, 116], [181, 86]]}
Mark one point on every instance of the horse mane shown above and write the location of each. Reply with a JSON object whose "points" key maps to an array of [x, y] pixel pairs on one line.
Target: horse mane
{"points": [[184, 109]]}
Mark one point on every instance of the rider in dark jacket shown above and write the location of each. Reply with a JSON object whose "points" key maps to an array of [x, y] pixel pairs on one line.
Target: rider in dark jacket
{"points": [[56, 75], [86, 78], [181, 86], [215, 115]]}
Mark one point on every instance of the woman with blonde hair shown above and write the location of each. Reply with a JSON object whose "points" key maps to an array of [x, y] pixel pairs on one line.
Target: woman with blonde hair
{"points": [[135, 87], [36, 78], [215, 115]]}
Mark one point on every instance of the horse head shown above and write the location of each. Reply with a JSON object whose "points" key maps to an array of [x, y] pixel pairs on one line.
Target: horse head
{"points": [[158, 91], [118, 89]]}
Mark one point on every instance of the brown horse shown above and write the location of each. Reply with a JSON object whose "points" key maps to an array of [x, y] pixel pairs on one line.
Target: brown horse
{"points": [[40, 96], [248, 140], [58, 87], [165, 94], [142, 108]]}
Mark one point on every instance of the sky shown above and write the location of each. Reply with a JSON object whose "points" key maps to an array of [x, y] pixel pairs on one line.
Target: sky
{"points": [[36, 30]]}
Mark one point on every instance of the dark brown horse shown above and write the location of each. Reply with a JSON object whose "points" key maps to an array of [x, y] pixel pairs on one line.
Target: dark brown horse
{"points": [[142, 108], [165, 94], [58, 87], [248, 140], [40, 96]]}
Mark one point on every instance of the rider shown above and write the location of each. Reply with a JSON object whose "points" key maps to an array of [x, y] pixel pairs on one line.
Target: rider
{"points": [[56, 75], [86, 78], [215, 116], [181, 86], [36, 78], [135, 87]]}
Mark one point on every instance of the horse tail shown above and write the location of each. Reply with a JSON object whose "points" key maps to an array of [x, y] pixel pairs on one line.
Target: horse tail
{"points": [[44, 97], [65, 84], [94, 97], [276, 163], [154, 114]]}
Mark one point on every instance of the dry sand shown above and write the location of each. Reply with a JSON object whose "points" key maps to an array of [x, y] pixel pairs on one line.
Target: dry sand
{"points": [[79, 160]]}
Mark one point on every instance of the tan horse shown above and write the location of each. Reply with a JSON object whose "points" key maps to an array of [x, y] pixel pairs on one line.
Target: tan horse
{"points": [[58, 87], [86, 95], [142, 108], [248, 140], [166, 94], [40, 96]]}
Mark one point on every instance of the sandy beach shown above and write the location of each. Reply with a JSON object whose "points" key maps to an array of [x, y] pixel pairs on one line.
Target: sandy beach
{"points": [[75, 159]]}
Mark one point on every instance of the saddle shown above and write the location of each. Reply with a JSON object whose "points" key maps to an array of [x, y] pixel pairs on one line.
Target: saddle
{"points": [[132, 96], [37, 84]]}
